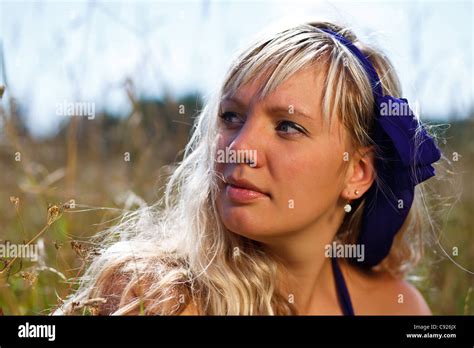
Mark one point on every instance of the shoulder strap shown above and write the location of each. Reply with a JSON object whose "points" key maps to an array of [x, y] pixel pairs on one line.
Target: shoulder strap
{"points": [[341, 288]]}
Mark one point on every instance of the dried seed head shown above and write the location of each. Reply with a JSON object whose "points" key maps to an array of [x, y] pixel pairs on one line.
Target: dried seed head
{"points": [[15, 201], [29, 277], [2, 90], [54, 213], [79, 249], [84, 252]]}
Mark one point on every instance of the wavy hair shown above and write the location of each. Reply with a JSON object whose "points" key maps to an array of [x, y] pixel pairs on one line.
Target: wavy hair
{"points": [[177, 253]]}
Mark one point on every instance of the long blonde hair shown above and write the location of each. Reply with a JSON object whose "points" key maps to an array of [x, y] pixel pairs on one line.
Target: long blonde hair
{"points": [[162, 258]]}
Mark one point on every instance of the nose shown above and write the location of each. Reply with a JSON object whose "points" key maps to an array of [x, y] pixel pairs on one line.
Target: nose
{"points": [[248, 141]]}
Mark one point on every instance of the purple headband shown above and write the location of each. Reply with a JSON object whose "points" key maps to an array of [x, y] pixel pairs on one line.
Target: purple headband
{"points": [[406, 154]]}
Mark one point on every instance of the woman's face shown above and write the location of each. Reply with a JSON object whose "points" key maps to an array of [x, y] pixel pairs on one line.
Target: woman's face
{"points": [[298, 160]]}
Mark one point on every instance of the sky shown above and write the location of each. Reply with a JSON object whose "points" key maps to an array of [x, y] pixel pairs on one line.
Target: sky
{"points": [[83, 51]]}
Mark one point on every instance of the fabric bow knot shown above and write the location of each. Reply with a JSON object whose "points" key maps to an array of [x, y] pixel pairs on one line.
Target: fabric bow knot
{"points": [[405, 153]]}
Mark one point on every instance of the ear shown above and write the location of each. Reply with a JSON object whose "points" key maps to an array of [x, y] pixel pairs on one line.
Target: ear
{"points": [[361, 173]]}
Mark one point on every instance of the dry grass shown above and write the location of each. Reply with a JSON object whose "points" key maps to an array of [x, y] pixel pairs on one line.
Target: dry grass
{"points": [[83, 166]]}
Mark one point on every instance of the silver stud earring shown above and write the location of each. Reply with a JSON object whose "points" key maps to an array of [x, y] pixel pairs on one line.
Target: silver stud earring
{"points": [[347, 208]]}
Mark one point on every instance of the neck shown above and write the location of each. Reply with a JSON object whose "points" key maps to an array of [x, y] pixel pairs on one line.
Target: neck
{"points": [[305, 273]]}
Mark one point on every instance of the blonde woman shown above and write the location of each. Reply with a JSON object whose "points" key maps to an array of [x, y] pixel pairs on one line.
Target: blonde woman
{"points": [[297, 194]]}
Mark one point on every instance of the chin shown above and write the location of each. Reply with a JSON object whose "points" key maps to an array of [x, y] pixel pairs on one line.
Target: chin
{"points": [[242, 221]]}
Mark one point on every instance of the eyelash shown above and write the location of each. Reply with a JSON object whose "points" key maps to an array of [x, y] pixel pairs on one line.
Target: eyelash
{"points": [[293, 125], [224, 114]]}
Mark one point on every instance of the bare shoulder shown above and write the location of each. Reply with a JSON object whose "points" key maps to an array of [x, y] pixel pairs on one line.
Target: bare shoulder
{"points": [[113, 290], [402, 298], [382, 294]]}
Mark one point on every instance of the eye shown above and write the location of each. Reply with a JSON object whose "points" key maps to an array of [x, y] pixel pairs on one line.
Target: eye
{"points": [[289, 127], [230, 118]]}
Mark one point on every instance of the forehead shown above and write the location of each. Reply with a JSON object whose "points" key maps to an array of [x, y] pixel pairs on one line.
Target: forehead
{"points": [[303, 91], [305, 86]]}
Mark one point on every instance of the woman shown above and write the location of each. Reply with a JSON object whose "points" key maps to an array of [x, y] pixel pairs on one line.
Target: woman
{"points": [[297, 194]]}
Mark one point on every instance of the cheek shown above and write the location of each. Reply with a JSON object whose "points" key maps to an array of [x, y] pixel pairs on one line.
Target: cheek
{"points": [[307, 182]]}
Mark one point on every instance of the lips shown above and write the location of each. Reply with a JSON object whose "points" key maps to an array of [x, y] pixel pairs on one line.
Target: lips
{"points": [[241, 190]]}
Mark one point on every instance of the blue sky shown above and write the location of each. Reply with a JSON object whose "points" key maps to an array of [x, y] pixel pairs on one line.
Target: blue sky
{"points": [[84, 51]]}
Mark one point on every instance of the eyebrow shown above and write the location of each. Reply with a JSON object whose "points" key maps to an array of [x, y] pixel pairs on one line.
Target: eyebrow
{"points": [[276, 109], [286, 111]]}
